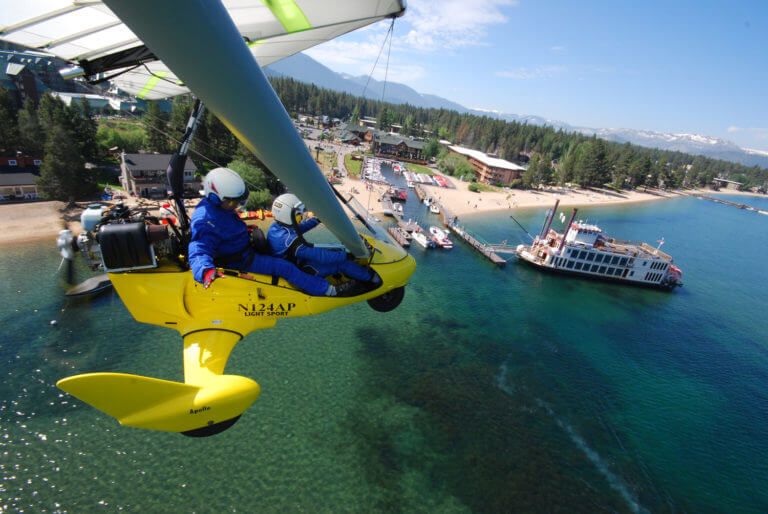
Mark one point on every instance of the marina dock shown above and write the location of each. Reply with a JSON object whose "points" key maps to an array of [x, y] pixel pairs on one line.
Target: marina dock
{"points": [[449, 220]]}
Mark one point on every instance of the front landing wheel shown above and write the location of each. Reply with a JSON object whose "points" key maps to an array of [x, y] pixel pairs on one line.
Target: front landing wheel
{"points": [[388, 301]]}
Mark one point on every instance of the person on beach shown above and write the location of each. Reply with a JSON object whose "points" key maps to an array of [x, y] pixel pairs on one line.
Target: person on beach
{"points": [[221, 239], [286, 240]]}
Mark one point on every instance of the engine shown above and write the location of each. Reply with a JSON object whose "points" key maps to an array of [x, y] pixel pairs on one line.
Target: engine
{"points": [[121, 239]]}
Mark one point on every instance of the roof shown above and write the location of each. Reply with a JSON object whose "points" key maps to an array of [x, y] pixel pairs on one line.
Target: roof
{"points": [[493, 162], [396, 140], [153, 162], [728, 181], [18, 179]]}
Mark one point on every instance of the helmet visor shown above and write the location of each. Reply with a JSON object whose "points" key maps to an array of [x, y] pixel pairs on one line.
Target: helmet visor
{"points": [[240, 200]]}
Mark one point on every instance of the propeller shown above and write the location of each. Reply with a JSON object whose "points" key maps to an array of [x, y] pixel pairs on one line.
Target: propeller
{"points": [[68, 249]]}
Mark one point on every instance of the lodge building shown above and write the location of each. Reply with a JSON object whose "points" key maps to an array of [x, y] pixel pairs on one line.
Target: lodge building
{"points": [[396, 147], [489, 170]]}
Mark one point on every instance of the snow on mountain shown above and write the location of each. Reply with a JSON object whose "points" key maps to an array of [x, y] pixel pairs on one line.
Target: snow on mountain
{"points": [[305, 69]]}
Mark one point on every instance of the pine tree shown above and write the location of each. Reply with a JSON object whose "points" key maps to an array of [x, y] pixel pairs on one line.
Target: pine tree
{"points": [[31, 134], [355, 116], [156, 128], [9, 134], [63, 175]]}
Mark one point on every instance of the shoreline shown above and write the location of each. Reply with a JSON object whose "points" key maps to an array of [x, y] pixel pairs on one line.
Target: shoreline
{"points": [[459, 201], [42, 220]]}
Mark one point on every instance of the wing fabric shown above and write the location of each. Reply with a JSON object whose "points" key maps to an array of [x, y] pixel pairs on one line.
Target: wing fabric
{"points": [[86, 31]]}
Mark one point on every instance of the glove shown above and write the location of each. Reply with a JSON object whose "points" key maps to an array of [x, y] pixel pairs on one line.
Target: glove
{"points": [[209, 276]]}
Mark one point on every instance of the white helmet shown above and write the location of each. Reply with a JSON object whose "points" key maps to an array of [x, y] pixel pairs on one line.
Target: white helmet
{"points": [[287, 209], [224, 184]]}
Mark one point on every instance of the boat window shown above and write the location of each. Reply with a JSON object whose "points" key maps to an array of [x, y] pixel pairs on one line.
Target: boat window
{"points": [[623, 261], [569, 264], [631, 273], [599, 257], [590, 256], [615, 259], [602, 269], [617, 271], [594, 268], [578, 265]]}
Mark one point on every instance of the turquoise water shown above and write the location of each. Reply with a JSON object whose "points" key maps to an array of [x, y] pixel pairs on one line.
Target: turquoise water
{"points": [[487, 390]]}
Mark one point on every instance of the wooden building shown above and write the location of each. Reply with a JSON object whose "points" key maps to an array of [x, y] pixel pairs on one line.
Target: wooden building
{"points": [[399, 148]]}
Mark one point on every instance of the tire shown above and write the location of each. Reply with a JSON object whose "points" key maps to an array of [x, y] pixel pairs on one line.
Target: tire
{"points": [[388, 301]]}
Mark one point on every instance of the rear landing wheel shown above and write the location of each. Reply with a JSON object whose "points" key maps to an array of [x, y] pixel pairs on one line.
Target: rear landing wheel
{"points": [[387, 301]]}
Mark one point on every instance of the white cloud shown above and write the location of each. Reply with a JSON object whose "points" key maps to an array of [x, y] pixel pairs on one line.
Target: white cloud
{"points": [[557, 49], [448, 24], [734, 129], [539, 72]]}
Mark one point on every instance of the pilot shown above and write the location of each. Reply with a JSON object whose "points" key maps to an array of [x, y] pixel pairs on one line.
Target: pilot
{"points": [[221, 239], [286, 240]]}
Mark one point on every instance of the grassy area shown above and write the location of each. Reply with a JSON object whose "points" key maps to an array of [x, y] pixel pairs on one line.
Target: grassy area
{"points": [[486, 188], [121, 125], [415, 168], [353, 166]]}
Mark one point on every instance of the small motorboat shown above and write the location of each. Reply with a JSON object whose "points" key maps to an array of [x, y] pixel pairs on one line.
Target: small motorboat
{"points": [[441, 237], [434, 209], [423, 240]]}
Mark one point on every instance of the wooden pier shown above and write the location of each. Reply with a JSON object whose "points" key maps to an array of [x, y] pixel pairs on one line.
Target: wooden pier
{"points": [[399, 235], [449, 220], [482, 248], [725, 202]]}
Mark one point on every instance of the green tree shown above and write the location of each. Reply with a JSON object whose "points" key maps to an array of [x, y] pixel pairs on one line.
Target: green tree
{"points": [[9, 133], [432, 148], [31, 134], [63, 175], [530, 175], [85, 129], [156, 128], [457, 166], [259, 200], [355, 120], [256, 177], [639, 170]]}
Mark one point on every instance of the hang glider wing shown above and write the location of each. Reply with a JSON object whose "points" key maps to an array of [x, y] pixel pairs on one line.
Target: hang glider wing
{"points": [[88, 34], [208, 47]]}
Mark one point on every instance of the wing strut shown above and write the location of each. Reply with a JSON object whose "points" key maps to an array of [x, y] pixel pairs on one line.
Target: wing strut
{"points": [[175, 171], [210, 56]]}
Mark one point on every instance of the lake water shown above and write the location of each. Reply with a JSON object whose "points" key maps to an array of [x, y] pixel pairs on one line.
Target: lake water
{"points": [[490, 390]]}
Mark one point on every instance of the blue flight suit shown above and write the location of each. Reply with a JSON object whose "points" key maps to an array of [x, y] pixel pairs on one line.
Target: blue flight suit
{"points": [[323, 261], [220, 234]]}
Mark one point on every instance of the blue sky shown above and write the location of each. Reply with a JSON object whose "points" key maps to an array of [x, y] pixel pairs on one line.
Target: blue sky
{"points": [[669, 66]]}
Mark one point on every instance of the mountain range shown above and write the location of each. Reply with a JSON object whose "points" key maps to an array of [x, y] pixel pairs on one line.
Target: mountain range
{"points": [[303, 68]]}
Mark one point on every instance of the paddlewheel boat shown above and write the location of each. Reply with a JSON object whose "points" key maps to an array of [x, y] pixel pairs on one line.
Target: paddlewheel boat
{"points": [[582, 249]]}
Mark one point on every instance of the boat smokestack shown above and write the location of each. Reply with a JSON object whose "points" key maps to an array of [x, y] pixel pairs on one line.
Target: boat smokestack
{"points": [[548, 223], [565, 232]]}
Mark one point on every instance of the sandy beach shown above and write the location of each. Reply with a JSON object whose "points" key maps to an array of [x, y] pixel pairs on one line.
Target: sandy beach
{"points": [[36, 221], [460, 201]]}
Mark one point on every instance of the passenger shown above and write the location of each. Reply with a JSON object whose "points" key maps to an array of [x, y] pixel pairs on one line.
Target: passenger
{"points": [[286, 240], [221, 239]]}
